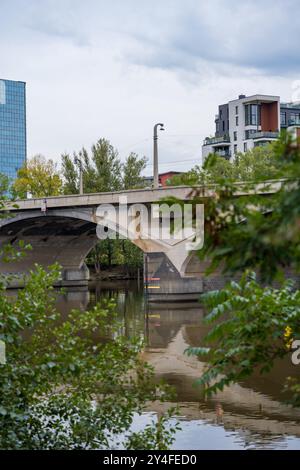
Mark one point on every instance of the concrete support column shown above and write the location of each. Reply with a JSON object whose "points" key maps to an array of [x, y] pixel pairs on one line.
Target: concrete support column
{"points": [[75, 276], [164, 282]]}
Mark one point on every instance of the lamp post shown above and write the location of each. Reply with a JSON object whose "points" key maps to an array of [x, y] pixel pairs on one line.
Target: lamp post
{"points": [[159, 126], [78, 162]]}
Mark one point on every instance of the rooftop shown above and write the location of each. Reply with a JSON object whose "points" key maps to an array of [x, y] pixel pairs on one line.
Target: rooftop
{"points": [[258, 97], [15, 81], [290, 105]]}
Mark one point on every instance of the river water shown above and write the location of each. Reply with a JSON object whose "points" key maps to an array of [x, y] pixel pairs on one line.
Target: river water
{"points": [[249, 415]]}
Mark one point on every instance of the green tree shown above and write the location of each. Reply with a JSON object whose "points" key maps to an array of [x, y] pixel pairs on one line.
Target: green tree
{"points": [[38, 177], [253, 325], [107, 165], [102, 170], [133, 257], [259, 230], [189, 178], [253, 165], [70, 383], [4, 185], [95, 258], [117, 252], [62, 387], [132, 172], [70, 175]]}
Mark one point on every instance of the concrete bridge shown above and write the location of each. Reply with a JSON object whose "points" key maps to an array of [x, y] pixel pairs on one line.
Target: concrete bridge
{"points": [[63, 229]]}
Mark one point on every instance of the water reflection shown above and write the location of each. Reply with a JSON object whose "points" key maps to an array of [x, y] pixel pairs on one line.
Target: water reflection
{"points": [[247, 415]]}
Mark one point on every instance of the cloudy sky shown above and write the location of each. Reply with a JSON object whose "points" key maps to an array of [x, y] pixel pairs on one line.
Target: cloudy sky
{"points": [[112, 68]]}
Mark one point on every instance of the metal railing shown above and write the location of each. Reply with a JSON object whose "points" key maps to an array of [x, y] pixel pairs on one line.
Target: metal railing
{"points": [[217, 140], [294, 122], [264, 135]]}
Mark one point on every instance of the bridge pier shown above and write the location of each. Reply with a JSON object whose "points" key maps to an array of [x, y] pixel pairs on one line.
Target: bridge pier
{"points": [[75, 276], [164, 283]]}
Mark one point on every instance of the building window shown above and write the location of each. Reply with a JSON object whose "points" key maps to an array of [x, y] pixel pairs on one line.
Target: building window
{"points": [[235, 149], [249, 132], [235, 135], [236, 120], [12, 127], [245, 146], [283, 118], [236, 110], [252, 115], [294, 118], [223, 126], [217, 127]]}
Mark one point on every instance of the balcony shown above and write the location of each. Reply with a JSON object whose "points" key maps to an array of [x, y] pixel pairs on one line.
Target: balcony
{"points": [[223, 153], [295, 105], [225, 139], [294, 122], [264, 135]]}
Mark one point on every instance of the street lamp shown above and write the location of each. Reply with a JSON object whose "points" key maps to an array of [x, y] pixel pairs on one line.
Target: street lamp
{"points": [[78, 162], [159, 126]]}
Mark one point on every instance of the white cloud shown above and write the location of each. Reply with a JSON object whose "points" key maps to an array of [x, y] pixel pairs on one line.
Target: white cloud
{"points": [[97, 69]]}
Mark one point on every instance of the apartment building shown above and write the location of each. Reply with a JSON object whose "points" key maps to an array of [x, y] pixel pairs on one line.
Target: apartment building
{"points": [[247, 122]]}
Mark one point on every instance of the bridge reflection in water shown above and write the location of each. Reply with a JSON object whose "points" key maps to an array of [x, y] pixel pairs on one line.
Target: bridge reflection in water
{"points": [[247, 415]]}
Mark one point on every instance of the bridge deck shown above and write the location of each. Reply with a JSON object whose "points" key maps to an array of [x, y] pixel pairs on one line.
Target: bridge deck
{"points": [[134, 196]]}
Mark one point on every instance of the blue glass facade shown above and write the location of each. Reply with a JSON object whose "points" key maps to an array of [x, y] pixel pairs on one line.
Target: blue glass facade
{"points": [[12, 127]]}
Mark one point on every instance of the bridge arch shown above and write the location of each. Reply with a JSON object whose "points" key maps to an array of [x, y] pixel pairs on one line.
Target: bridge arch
{"points": [[60, 235], [62, 238], [67, 234]]}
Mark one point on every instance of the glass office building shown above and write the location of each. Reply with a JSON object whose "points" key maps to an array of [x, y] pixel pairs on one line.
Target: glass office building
{"points": [[12, 127]]}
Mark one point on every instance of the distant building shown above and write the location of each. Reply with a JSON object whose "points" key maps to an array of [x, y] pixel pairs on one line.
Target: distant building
{"points": [[289, 115], [12, 127], [163, 178], [248, 122]]}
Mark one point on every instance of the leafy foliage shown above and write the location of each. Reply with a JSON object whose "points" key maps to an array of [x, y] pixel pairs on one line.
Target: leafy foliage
{"points": [[253, 165], [118, 252], [132, 172], [253, 226], [249, 332], [4, 185], [159, 434], [66, 384], [70, 175], [102, 170], [38, 177]]}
